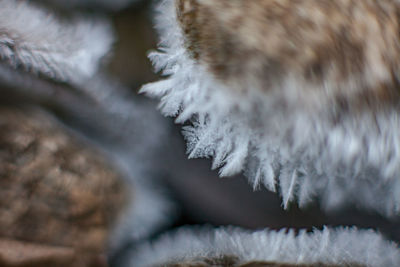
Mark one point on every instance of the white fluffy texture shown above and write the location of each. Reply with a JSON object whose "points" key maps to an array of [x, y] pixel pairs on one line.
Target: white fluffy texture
{"points": [[296, 151], [34, 40], [328, 246]]}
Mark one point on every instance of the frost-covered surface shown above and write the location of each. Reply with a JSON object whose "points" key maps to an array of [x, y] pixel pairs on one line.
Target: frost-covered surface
{"points": [[287, 148], [34, 40], [328, 246]]}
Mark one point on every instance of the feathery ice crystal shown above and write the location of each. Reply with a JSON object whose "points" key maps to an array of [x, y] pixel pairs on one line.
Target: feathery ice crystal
{"points": [[299, 101]]}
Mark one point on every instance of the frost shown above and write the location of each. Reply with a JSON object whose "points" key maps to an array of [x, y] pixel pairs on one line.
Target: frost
{"points": [[340, 246], [300, 152], [34, 40]]}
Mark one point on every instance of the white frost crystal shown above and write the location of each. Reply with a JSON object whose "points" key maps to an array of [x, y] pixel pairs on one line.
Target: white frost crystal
{"points": [[287, 148], [340, 246]]}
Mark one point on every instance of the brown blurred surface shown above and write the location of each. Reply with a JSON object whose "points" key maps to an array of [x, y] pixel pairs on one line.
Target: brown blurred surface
{"points": [[135, 39], [23, 254], [55, 190]]}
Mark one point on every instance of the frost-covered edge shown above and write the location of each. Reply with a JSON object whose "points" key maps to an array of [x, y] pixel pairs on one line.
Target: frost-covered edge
{"points": [[294, 151], [36, 41], [329, 246]]}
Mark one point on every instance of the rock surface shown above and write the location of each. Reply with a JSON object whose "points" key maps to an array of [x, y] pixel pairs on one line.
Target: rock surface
{"points": [[57, 193]]}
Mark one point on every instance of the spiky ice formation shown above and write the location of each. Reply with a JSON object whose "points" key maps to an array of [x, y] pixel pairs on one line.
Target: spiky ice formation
{"points": [[298, 96], [236, 247]]}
